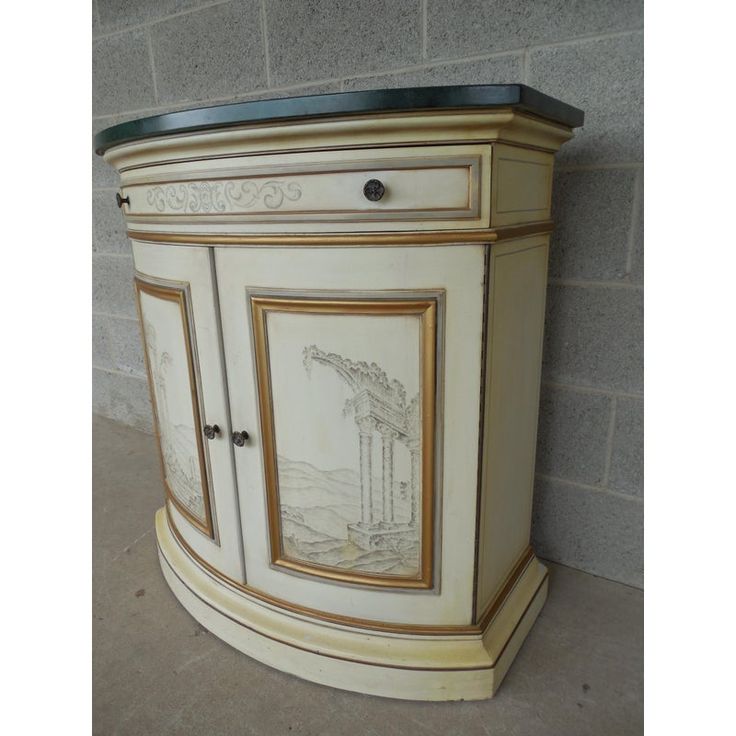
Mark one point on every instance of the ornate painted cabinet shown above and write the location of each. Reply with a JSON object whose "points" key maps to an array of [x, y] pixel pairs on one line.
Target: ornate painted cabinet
{"points": [[342, 304]]}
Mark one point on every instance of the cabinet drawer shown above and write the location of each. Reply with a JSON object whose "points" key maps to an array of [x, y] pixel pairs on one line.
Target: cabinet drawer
{"points": [[424, 188]]}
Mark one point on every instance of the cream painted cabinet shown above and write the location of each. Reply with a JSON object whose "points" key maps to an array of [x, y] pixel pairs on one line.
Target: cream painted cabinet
{"points": [[342, 305]]}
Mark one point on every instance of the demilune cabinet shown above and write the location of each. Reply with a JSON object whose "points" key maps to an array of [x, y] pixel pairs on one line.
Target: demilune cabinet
{"points": [[342, 301]]}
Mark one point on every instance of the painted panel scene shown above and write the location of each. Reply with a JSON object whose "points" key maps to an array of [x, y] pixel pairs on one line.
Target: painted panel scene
{"points": [[347, 425], [166, 349]]}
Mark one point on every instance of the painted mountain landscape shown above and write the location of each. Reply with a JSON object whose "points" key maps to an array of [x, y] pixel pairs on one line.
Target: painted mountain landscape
{"points": [[316, 508], [179, 449]]}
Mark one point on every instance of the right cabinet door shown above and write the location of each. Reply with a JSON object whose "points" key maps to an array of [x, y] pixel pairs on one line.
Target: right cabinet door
{"points": [[356, 373]]}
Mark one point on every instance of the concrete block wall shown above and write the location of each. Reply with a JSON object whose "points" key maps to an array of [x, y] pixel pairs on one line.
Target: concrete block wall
{"points": [[153, 57]]}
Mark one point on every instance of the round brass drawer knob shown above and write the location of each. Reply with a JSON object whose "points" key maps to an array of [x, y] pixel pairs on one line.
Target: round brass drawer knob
{"points": [[374, 190]]}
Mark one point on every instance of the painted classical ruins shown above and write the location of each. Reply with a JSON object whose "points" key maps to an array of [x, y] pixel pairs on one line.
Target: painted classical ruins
{"points": [[380, 408]]}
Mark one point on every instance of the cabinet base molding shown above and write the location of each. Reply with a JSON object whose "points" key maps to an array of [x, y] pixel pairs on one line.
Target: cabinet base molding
{"points": [[404, 666]]}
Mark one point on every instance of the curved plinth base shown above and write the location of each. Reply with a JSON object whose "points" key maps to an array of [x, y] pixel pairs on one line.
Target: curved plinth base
{"points": [[463, 666]]}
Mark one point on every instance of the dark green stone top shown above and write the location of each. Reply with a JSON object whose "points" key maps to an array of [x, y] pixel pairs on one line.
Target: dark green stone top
{"points": [[517, 96]]}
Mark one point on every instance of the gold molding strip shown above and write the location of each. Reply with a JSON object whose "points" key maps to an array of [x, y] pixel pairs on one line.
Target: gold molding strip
{"points": [[321, 652], [481, 426], [426, 310], [507, 586], [178, 294], [336, 618], [539, 587], [449, 237]]}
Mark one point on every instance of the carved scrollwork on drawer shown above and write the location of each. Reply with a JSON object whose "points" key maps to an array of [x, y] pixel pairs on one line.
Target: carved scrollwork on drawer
{"points": [[221, 196]]}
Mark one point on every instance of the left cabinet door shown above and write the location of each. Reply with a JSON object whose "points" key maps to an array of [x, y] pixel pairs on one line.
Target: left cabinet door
{"points": [[177, 306]]}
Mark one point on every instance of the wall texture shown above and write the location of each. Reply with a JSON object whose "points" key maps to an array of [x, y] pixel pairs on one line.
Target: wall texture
{"points": [[152, 57]]}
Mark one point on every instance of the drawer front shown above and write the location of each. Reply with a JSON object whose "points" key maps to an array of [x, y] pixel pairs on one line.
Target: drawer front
{"points": [[424, 188]]}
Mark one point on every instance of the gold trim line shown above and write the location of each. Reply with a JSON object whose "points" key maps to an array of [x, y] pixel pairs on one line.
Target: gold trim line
{"points": [[179, 294], [321, 652], [336, 618], [450, 237], [505, 590], [426, 310]]}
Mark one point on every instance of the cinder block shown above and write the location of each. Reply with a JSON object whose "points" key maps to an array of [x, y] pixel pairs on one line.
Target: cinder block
{"points": [[594, 336], [108, 225], [595, 531], [123, 398], [592, 213], [498, 70], [214, 52], [102, 174], [126, 346], [466, 27], [606, 79], [118, 14], [117, 345], [627, 456], [637, 256], [100, 349], [573, 434], [301, 91], [328, 39], [113, 291], [121, 74]]}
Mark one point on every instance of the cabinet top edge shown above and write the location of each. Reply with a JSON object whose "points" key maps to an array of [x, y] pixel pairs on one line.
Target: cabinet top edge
{"points": [[458, 97]]}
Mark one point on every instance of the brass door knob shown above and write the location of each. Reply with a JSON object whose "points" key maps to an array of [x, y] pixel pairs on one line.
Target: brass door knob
{"points": [[240, 438], [374, 190], [211, 431]]}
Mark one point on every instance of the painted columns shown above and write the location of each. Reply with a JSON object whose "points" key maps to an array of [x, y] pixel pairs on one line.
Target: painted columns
{"points": [[366, 425], [388, 436], [413, 446]]}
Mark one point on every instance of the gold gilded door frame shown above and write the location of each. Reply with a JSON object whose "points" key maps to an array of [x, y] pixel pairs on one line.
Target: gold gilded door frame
{"points": [[427, 305], [179, 293]]}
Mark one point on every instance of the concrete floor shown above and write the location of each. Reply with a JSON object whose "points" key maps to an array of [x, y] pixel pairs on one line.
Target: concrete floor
{"points": [[157, 671]]}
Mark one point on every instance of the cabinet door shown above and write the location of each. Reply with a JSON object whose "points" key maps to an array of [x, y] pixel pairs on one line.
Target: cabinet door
{"points": [[178, 313], [356, 372]]}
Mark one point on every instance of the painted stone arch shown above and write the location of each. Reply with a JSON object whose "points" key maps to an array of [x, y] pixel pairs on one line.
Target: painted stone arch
{"points": [[378, 405]]}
